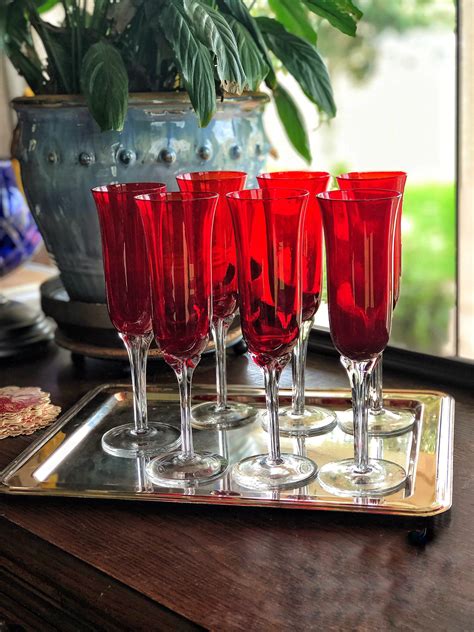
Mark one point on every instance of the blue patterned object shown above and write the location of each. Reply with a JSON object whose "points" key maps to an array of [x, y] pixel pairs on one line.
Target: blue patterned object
{"points": [[19, 236]]}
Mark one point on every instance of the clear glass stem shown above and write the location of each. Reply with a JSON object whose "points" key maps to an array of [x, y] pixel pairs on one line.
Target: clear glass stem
{"points": [[142, 482], [223, 444], [271, 376], [300, 446], [298, 364], [376, 388], [137, 349], [219, 329], [184, 375], [359, 373]]}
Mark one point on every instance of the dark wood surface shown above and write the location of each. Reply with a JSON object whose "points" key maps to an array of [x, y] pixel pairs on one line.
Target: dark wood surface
{"points": [[93, 565]]}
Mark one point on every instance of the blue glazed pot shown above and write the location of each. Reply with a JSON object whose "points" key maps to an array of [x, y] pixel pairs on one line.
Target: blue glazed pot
{"points": [[63, 155]]}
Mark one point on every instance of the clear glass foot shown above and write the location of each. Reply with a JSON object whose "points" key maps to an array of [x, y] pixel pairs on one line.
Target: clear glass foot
{"points": [[314, 421], [256, 472], [342, 479], [123, 441], [234, 415], [384, 424], [175, 470]]}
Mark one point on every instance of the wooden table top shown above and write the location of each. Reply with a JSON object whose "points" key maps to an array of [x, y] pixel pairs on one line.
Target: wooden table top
{"points": [[93, 565]]}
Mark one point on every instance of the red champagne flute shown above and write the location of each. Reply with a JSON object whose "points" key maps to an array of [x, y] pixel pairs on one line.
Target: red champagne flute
{"points": [[268, 231], [395, 181], [222, 413], [299, 419], [382, 422], [129, 304], [359, 230], [178, 230]]}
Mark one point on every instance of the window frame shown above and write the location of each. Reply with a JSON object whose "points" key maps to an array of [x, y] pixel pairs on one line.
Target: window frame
{"points": [[464, 165], [450, 370]]}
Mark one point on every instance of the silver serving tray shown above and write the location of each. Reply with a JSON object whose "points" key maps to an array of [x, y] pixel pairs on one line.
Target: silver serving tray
{"points": [[67, 460]]}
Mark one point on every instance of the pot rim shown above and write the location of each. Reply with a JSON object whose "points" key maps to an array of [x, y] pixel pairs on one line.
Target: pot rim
{"points": [[247, 100]]}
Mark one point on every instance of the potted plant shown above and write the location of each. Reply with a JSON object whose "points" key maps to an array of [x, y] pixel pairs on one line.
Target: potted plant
{"points": [[135, 90]]}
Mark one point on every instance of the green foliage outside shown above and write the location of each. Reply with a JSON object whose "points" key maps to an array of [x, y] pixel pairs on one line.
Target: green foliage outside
{"points": [[426, 306], [358, 56], [425, 314]]}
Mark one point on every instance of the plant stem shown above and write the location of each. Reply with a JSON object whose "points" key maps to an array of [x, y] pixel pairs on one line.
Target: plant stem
{"points": [[42, 31]]}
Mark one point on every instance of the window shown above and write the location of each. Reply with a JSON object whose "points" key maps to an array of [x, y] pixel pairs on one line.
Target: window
{"points": [[395, 88], [398, 86]]}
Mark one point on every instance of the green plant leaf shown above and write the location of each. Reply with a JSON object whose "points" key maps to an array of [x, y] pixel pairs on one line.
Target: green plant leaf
{"points": [[238, 10], [14, 28], [253, 63], [303, 61], [214, 32], [293, 122], [56, 42], [3, 27], [16, 39], [45, 5], [192, 59], [342, 14], [104, 83], [294, 17]]}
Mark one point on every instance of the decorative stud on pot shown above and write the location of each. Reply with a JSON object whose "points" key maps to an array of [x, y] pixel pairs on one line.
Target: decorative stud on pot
{"points": [[127, 156], [167, 155], [86, 158], [236, 152], [205, 152]]}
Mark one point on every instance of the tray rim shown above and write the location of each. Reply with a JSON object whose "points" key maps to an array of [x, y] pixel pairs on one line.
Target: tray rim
{"points": [[444, 453]]}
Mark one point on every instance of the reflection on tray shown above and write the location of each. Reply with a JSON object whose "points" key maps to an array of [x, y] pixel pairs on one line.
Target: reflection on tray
{"points": [[76, 465], [54, 461]]}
